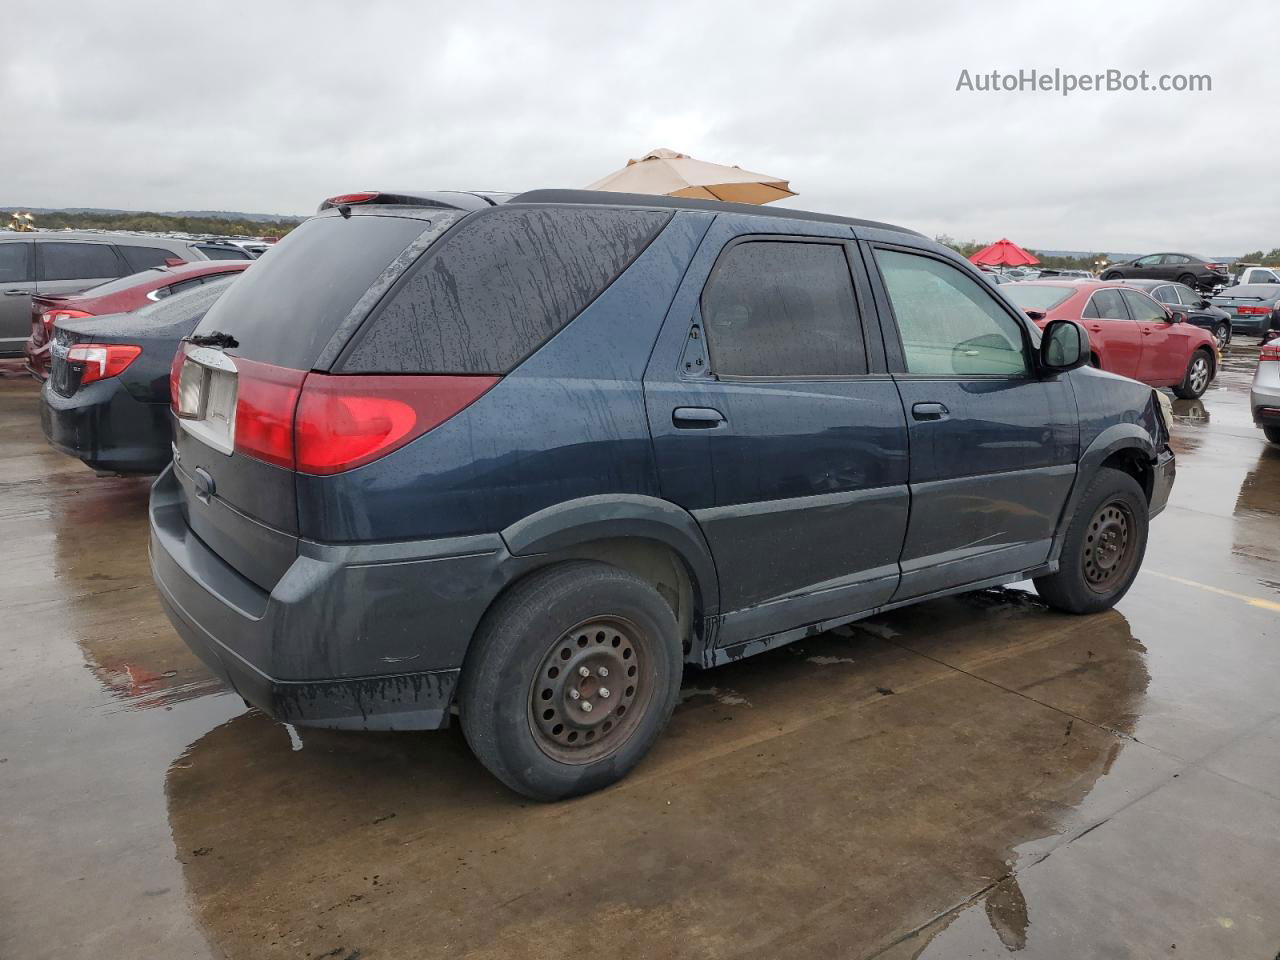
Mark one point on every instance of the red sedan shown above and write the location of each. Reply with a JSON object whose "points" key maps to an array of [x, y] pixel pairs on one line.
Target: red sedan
{"points": [[1129, 333], [116, 296]]}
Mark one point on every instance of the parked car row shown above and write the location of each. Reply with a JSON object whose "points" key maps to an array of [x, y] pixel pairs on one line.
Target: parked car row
{"points": [[62, 263]]}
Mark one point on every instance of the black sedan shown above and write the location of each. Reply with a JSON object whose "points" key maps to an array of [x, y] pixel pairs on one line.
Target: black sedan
{"points": [[1180, 297], [107, 397], [1199, 273]]}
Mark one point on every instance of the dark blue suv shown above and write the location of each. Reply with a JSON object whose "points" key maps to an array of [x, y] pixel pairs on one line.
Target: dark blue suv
{"points": [[527, 456]]}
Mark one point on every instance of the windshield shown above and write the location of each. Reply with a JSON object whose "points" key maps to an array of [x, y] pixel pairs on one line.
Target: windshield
{"points": [[1037, 296], [288, 305], [124, 283]]}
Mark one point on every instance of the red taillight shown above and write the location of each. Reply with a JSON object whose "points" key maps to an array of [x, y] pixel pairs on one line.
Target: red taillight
{"points": [[345, 199], [345, 422], [1253, 310], [175, 374], [102, 360], [1270, 351], [50, 317], [1213, 266], [266, 397]]}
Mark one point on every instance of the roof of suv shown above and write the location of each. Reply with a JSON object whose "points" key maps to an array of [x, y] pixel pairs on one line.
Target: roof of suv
{"points": [[479, 199]]}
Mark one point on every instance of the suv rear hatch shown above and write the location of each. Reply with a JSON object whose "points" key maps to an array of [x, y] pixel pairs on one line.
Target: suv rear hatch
{"points": [[236, 382]]}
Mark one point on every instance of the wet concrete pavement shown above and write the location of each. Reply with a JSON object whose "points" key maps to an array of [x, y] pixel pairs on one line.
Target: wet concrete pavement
{"points": [[969, 777]]}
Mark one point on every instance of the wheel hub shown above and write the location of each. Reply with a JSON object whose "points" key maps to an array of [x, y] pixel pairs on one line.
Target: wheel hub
{"points": [[1107, 546], [584, 692]]}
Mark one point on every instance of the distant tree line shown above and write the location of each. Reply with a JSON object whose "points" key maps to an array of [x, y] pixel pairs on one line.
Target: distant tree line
{"points": [[157, 223]]}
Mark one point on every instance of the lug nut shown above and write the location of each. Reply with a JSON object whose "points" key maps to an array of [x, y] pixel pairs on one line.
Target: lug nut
{"points": [[574, 695], [584, 672], [603, 671], [586, 706], [604, 692]]}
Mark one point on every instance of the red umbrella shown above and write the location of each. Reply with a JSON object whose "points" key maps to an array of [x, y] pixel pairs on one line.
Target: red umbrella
{"points": [[1003, 253]]}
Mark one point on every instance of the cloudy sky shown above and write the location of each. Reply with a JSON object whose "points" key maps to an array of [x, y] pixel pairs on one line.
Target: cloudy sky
{"points": [[269, 106]]}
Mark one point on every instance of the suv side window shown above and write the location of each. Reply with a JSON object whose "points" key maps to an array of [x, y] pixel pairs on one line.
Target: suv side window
{"points": [[143, 258], [1143, 308], [950, 324], [777, 308], [15, 262], [498, 286], [1106, 305], [78, 261]]}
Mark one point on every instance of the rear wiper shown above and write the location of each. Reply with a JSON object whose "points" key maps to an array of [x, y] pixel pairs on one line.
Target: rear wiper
{"points": [[215, 339]]}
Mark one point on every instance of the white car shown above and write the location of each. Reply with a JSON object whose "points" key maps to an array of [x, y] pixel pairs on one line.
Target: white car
{"points": [[1264, 396], [1259, 275]]}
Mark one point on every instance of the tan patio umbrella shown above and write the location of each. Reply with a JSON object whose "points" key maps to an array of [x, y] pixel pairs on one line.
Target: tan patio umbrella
{"points": [[667, 173]]}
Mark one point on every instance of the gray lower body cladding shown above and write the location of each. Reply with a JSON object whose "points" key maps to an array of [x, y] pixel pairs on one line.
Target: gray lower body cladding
{"points": [[360, 636]]}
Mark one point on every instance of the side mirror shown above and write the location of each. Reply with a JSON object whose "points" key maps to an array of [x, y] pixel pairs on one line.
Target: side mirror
{"points": [[1177, 316], [1063, 346]]}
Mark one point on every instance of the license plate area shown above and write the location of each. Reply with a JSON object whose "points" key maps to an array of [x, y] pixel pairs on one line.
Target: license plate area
{"points": [[207, 390]]}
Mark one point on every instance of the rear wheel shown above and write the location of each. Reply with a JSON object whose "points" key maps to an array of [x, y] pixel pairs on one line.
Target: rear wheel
{"points": [[1112, 275], [1222, 335], [1199, 373], [1272, 434], [570, 679], [1103, 549], [1188, 280]]}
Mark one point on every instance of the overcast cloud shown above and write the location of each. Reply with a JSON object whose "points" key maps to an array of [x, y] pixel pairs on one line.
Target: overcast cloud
{"points": [[270, 106]]}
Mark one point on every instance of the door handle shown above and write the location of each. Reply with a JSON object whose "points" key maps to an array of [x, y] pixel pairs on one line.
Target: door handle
{"points": [[696, 418], [929, 411], [1095, 327]]}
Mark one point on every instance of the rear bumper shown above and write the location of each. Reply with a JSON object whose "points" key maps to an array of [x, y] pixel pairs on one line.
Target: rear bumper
{"points": [[108, 428], [1166, 470], [367, 636]]}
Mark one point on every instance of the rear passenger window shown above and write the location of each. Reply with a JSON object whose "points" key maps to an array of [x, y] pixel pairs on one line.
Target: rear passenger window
{"points": [[950, 324], [144, 258], [783, 309], [499, 287], [1106, 305], [78, 261], [15, 262]]}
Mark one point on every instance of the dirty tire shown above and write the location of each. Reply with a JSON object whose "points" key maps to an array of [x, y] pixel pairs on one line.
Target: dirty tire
{"points": [[1272, 434], [1196, 380], [522, 637], [1070, 589]]}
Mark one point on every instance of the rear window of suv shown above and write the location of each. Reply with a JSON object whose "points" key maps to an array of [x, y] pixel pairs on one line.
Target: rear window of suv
{"points": [[284, 309], [498, 287]]}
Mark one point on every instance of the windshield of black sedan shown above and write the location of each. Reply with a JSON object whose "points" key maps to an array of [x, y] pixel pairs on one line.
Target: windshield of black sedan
{"points": [[1037, 296]]}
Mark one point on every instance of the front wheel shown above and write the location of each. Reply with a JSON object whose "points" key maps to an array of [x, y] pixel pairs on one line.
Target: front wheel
{"points": [[1222, 335], [1104, 546], [1196, 380], [570, 679]]}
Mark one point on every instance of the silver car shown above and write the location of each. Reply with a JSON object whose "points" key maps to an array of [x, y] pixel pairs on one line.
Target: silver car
{"points": [[1264, 396], [69, 261]]}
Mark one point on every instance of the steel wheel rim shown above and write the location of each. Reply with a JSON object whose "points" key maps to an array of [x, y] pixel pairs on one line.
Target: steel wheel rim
{"points": [[591, 690], [1199, 374], [1109, 547]]}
